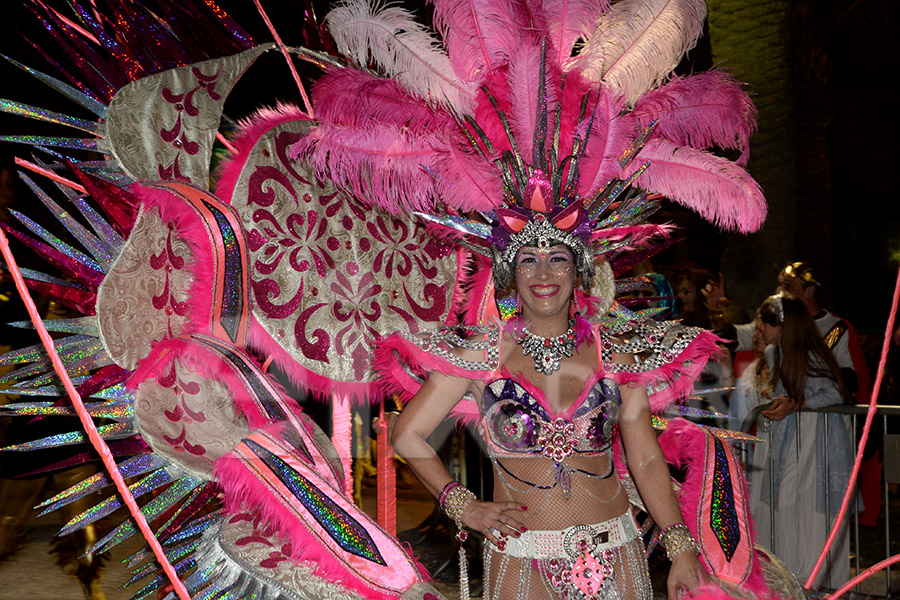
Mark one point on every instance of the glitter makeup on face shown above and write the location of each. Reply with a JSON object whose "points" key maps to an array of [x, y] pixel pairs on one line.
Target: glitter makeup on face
{"points": [[343, 529], [723, 515]]}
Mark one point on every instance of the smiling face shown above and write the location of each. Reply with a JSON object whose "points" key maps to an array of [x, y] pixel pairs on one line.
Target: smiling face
{"points": [[545, 280]]}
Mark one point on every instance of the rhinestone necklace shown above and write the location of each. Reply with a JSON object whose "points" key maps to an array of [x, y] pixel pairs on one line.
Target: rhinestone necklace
{"points": [[547, 352]]}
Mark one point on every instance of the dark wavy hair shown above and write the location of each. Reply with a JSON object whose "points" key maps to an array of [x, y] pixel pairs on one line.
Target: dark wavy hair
{"points": [[802, 352]]}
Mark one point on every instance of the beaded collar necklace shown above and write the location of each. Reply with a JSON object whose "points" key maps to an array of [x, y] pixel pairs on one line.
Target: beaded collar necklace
{"points": [[547, 352]]}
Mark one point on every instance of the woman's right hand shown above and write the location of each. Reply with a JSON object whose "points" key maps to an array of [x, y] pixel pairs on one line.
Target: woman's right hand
{"points": [[781, 407], [489, 518]]}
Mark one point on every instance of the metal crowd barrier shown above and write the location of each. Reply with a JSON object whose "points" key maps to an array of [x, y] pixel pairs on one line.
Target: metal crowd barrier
{"points": [[856, 413]]}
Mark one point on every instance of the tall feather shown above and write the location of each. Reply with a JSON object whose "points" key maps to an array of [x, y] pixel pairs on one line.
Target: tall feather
{"points": [[703, 110], [403, 49], [568, 20], [716, 188], [638, 43], [480, 35], [524, 86], [611, 134]]}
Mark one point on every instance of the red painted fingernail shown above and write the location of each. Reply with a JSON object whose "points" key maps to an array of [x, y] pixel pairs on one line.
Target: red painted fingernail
{"points": [[524, 508], [517, 534], [524, 529]]}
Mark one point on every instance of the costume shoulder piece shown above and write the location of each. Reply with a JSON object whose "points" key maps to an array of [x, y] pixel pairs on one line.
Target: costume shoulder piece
{"points": [[668, 356], [404, 358]]}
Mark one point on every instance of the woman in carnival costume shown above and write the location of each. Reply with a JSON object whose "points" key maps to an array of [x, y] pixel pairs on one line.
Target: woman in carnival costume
{"points": [[520, 135]]}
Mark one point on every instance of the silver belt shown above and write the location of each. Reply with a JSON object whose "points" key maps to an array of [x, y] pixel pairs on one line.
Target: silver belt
{"points": [[572, 541]]}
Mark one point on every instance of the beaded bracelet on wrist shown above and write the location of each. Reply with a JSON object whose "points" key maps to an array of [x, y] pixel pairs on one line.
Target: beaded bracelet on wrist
{"points": [[677, 538], [443, 497], [456, 500]]}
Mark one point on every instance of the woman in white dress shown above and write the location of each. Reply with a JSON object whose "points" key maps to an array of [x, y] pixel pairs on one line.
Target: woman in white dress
{"points": [[799, 475]]}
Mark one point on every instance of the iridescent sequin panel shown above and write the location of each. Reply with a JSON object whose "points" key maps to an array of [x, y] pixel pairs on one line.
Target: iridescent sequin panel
{"points": [[346, 531], [723, 515]]}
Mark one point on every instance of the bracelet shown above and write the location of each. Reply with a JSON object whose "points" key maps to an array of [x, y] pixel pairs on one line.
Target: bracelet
{"points": [[677, 538], [445, 491], [455, 502]]}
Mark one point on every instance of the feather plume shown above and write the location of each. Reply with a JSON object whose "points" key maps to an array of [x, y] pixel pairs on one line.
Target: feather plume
{"points": [[374, 99], [524, 83], [716, 188], [638, 42], [480, 35], [382, 164], [612, 132], [567, 21], [703, 110], [466, 182], [401, 48]]}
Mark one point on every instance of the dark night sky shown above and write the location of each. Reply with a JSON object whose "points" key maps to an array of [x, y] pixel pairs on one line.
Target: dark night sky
{"points": [[866, 222]]}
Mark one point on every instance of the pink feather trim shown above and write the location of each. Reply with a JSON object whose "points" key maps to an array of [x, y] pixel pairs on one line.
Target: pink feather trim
{"points": [[246, 490], [568, 20], [679, 375], [321, 387], [251, 130], [190, 227], [209, 364]]}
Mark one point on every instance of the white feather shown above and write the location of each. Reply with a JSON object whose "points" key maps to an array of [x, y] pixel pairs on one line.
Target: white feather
{"points": [[401, 48], [638, 42]]}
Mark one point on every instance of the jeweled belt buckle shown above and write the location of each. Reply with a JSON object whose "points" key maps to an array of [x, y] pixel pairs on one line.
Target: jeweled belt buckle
{"points": [[583, 538]]}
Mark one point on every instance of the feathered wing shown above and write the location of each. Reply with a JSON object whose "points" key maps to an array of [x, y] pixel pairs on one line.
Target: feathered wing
{"points": [[716, 188], [401, 48], [703, 110], [566, 21], [480, 35], [638, 42]]}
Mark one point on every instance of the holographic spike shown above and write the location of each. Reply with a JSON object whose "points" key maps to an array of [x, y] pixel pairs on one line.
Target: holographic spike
{"points": [[101, 410], [193, 528], [42, 114], [173, 554], [197, 580], [56, 242], [149, 483], [184, 566], [89, 144], [38, 276], [98, 108], [116, 392], [637, 144], [161, 503], [113, 431], [100, 253], [79, 325], [711, 391], [628, 284], [680, 410], [198, 499], [131, 467], [100, 225], [460, 224]]}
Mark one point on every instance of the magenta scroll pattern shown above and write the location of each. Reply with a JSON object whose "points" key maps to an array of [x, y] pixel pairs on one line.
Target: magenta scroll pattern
{"points": [[331, 275]]}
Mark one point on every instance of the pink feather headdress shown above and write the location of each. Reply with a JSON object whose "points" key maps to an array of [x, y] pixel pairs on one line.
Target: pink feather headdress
{"points": [[523, 115]]}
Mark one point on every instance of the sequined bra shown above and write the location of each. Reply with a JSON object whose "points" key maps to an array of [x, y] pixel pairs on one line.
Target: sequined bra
{"points": [[514, 423]]}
